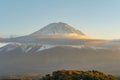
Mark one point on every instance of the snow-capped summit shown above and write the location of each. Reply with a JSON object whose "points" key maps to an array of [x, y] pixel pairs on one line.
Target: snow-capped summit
{"points": [[59, 28]]}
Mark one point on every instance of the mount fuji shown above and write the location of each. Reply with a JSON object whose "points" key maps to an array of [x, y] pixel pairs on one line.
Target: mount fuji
{"points": [[57, 34], [57, 29], [57, 46]]}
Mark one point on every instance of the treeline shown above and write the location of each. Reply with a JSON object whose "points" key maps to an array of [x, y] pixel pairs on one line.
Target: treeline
{"points": [[77, 75], [73, 75]]}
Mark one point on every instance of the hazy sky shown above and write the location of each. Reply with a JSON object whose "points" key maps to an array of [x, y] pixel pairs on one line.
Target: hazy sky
{"points": [[100, 18]]}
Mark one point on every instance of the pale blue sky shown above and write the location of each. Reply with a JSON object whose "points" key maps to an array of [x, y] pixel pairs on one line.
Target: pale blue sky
{"points": [[100, 18]]}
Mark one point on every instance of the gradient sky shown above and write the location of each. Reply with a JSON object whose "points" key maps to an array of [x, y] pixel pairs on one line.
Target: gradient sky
{"points": [[100, 18]]}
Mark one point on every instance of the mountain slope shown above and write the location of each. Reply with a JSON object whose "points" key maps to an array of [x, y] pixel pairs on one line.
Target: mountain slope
{"points": [[60, 57]]}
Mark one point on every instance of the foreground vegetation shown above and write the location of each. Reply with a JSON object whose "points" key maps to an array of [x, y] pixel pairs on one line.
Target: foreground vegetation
{"points": [[73, 75], [78, 75]]}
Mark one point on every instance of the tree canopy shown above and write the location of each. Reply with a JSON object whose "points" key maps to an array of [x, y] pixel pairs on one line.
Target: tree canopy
{"points": [[77, 75]]}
